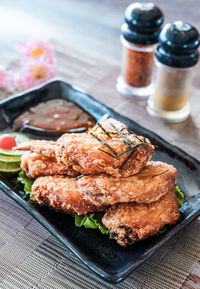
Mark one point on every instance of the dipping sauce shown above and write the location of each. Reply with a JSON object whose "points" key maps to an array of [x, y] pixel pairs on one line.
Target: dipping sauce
{"points": [[56, 114]]}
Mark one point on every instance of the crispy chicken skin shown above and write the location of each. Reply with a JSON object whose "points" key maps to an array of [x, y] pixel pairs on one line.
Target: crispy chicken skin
{"points": [[150, 184], [108, 126], [35, 165], [86, 154], [62, 193], [41, 147], [131, 222], [138, 195], [75, 193]]}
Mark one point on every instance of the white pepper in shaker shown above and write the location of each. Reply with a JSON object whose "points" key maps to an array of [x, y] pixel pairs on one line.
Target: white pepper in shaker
{"points": [[175, 58]]}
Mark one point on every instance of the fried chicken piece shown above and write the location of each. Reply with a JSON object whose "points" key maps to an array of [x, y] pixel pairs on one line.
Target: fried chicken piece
{"points": [[109, 126], [62, 193], [35, 165], [149, 185], [41, 147], [112, 150], [72, 193], [131, 222], [88, 156], [47, 148]]}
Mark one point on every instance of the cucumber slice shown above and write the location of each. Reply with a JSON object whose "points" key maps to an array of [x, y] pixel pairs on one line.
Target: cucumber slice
{"points": [[10, 159], [11, 153], [9, 167], [20, 138], [13, 171]]}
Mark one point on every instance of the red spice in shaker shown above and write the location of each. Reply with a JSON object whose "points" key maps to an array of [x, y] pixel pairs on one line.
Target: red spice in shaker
{"points": [[139, 34], [138, 66]]}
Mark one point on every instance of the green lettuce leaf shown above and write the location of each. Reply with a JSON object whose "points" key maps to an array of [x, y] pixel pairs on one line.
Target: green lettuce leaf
{"points": [[89, 221], [180, 196], [92, 221], [27, 184]]}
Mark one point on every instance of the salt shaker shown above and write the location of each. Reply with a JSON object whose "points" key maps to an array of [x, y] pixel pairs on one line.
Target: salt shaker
{"points": [[139, 34], [176, 56]]}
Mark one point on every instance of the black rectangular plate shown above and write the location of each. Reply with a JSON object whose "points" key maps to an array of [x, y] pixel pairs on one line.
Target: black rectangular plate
{"points": [[101, 254]]}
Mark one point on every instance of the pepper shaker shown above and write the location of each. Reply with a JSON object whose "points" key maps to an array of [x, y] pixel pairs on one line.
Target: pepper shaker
{"points": [[139, 34], [176, 56]]}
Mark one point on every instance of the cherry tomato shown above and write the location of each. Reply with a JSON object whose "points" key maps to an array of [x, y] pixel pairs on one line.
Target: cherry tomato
{"points": [[7, 142]]}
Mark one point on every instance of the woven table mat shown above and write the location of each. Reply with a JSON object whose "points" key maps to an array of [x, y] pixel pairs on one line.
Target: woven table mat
{"points": [[32, 258]]}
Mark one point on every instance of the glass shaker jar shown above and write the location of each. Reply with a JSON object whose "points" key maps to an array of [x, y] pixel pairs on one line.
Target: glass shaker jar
{"points": [[139, 34], [176, 57]]}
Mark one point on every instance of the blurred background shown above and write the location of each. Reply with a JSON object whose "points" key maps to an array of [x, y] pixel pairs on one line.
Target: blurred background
{"points": [[85, 35], [91, 25]]}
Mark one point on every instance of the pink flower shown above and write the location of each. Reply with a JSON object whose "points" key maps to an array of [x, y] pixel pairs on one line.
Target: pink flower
{"points": [[33, 73], [3, 78], [36, 48]]}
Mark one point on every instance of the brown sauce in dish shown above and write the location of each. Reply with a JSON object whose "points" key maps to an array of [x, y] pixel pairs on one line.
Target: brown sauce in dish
{"points": [[56, 114]]}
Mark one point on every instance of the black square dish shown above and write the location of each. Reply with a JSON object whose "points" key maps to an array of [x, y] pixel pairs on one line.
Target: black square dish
{"points": [[15, 106], [101, 254]]}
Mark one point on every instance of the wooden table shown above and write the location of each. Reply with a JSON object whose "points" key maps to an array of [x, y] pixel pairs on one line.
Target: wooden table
{"points": [[88, 31]]}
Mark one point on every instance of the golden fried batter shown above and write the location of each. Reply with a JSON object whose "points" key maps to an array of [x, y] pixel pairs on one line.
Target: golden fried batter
{"points": [[111, 150], [131, 222], [151, 183], [35, 165], [62, 193], [41, 147], [107, 124], [117, 173]]}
